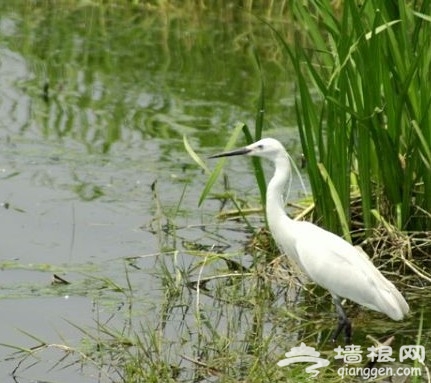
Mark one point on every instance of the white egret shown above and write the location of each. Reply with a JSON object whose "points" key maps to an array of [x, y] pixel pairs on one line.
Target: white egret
{"points": [[324, 257]]}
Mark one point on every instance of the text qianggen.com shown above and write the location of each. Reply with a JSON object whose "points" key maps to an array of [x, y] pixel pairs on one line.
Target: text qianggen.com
{"points": [[374, 372]]}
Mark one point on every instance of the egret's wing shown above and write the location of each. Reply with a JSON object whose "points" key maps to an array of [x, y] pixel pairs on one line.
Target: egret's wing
{"points": [[339, 267]]}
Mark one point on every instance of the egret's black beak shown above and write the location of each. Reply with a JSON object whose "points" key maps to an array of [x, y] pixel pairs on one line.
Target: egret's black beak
{"points": [[235, 152]]}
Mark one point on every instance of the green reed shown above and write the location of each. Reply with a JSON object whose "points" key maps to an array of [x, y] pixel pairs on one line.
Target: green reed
{"points": [[363, 109]]}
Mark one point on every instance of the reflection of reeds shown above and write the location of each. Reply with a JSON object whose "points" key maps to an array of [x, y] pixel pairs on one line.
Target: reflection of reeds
{"points": [[106, 71]]}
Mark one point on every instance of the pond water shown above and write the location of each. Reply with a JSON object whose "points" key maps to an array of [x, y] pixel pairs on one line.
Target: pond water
{"points": [[94, 104], [95, 182]]}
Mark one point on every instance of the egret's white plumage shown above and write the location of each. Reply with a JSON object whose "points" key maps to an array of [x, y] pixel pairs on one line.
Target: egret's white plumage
{"points": [[325, 258]]}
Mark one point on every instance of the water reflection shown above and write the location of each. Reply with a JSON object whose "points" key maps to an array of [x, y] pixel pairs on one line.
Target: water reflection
{"points": [[94, 102], [95, 73]]}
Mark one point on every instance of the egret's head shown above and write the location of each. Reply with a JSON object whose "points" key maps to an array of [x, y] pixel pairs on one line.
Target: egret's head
{"points": [[268, 148]]}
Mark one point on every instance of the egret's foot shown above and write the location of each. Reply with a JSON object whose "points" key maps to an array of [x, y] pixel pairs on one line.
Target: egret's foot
{"points": [[343, 324]]}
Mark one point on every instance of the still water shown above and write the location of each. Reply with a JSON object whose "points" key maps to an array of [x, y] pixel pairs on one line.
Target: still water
{"points": [[94, 103]]}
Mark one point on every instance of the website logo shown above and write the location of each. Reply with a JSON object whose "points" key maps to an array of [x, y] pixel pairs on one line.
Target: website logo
{"points": [[304, 353], [353, 354]]}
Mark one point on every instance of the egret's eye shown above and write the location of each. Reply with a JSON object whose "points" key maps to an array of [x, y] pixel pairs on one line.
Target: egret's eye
{"points": [[260, 147]]}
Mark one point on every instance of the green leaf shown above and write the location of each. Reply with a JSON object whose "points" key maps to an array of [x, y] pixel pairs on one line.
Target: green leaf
{"points": [[337, 202], [380, 29], [218, 168], [194, 155], [426, 151]]}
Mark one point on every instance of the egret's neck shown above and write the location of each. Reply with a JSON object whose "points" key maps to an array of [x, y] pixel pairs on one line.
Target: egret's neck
{"points": [[281, 226], [276, 189]]}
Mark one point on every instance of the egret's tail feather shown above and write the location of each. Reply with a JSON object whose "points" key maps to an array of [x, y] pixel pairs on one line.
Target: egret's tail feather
{"points": [[393, 304]]}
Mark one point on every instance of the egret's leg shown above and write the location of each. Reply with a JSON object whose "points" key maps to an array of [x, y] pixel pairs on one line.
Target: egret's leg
{"points": [[343, 322]]}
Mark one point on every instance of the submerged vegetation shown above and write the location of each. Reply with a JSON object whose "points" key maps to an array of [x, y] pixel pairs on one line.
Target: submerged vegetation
{"points": [[365, 128]]}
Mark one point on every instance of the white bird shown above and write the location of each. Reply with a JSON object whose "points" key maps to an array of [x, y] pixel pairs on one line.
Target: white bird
{"points": [[324, 257]]}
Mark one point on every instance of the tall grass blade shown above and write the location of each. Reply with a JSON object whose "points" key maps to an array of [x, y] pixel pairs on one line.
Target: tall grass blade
{"points": [[257, 166], [220, 163], [195, 157], [424, 145], [338, 205], [258, 129]]}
